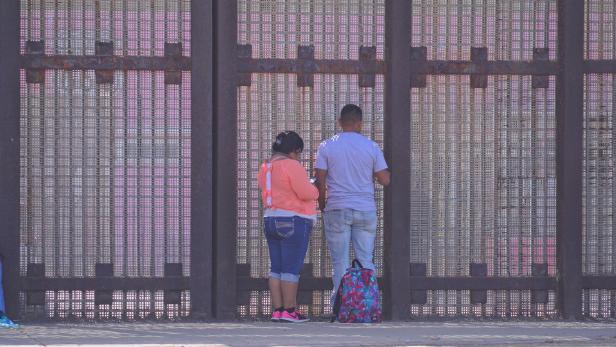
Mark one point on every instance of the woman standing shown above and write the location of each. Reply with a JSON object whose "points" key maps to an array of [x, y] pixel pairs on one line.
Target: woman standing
{"points": [[289, 200]]}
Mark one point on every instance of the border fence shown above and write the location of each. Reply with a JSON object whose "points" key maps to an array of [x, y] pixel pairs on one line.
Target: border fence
{"points": [[132, 132]]}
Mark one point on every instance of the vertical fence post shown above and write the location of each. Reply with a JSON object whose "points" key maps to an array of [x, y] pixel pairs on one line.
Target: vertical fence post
{"points": [[201, 162], [569, 155], [225, 157], [9, 151], [397, 292]]}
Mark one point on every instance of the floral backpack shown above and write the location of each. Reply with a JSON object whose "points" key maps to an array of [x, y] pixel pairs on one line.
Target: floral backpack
{"points": [[358, 298]]}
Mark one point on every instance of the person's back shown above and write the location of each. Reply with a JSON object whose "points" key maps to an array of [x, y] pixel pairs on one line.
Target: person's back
{"points": [[351, 160], [346, 167]]}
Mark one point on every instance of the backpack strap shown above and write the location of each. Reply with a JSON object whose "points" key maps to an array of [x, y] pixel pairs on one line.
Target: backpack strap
{"points": [[268, 184], [357, 264], [337, 303]]}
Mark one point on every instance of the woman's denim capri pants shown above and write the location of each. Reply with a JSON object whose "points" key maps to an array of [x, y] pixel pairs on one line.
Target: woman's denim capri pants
{"points": [[287, 239]]}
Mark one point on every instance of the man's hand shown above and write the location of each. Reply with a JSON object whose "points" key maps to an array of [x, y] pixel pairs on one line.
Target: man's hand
{"points": [[321, 176], [383, 177]]}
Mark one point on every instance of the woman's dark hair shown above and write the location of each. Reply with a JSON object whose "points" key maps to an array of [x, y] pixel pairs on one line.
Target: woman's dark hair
{"points": [[287, 142]]}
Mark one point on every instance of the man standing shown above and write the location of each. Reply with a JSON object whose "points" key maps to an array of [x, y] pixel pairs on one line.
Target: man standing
{"points": [[346, 167]]}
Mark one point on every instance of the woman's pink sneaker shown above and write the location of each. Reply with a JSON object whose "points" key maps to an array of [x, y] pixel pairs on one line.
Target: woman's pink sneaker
{"points": [[276, 316], [293, 317]]}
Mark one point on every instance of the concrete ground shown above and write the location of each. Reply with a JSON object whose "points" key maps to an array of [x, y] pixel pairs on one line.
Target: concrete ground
{"points": [[463, 333]]}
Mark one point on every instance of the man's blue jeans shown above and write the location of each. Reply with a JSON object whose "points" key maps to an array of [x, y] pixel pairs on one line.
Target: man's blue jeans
{"points": [[342, 227]]}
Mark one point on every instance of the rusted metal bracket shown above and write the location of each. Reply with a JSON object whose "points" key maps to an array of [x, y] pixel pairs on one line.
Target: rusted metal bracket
{"points": [[35, 75], [172, 297], [173, 51], [479, 55], [418, 297], [173, 270], [419, 57], [244, 79], [539, 270], [35, 297], [540, 54], [305, 57], [367, 64], [304, 297], [103, 49], [103, 297], [103, 269], [35, 270], [243, 272], [479, 270]]}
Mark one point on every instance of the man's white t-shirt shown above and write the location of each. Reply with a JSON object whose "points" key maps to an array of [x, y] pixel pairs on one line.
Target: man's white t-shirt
{"points": [[351, 160]]}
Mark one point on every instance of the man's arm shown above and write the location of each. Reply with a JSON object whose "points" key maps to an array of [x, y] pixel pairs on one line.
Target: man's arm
{"points": [[383, 177], [321, 185]]}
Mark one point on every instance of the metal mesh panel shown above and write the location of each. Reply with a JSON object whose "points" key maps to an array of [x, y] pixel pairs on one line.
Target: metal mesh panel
{"points": [[336, 28], [499, 304], [599, 189], [132, 304], [105, 167], [509, 29], [272, 104], [483, 186], [136, 27], [600, 29]]}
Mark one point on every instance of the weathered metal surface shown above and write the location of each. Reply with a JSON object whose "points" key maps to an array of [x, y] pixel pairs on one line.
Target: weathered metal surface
{"points": [[570, 156], [598, 282], [479, 56], [305, 56], [433, 67], [540, 54], [225, 158], [104, 283], [397, 202], [483, 283], [201, 234], [421, 283], [94, 62], [367, 59], [319, 66], [600, 66], [9, 152]]}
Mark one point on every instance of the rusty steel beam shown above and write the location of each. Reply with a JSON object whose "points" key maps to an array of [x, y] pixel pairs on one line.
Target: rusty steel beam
{"points": [[570, 156], [9, 153], [201, 228], [600, 66], [424, 283], [599, 282], [483, 283], [490, 67], [224, 199], [430, 67], [104, 62], [104, 283], [303, 66], [397, 150], [317, 66]]}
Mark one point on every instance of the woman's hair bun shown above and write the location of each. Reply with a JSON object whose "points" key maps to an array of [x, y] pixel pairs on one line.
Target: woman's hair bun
{"points": [[287, 142]]}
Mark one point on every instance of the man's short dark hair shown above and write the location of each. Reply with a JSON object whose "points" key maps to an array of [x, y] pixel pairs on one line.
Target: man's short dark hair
{"points": [[350, 114]]}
